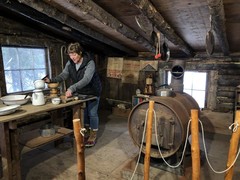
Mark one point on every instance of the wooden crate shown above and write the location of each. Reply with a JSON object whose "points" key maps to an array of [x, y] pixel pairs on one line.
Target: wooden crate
{"points": [[121, 112]]}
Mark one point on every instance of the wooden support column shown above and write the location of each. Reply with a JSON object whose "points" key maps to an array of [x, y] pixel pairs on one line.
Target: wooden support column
{"points": [[195, 145], [148, 140], [80, 149], [233, 148]]}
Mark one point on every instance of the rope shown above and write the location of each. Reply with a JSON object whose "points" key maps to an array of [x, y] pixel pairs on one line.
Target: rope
{"points": [[205, 150], [234, 129], [82, 131], [236, 125], [140, 150]]}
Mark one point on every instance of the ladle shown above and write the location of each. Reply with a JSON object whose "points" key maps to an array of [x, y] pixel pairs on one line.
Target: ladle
{"points": [[26, 96]]}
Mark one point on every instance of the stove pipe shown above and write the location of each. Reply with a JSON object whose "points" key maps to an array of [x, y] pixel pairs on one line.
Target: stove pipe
{"points": [[177, 72]]}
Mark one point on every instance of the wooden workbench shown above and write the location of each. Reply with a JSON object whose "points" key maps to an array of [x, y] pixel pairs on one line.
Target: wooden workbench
{"points": [[9, 136]]}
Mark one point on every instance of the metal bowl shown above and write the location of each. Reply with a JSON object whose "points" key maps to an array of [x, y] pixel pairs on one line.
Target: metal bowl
{"points": [[15, 99], [53, 85], [56, 100]]}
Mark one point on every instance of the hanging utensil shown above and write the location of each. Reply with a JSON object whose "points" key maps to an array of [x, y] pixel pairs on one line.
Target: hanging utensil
{"points": [[44, 77], [165, 51], [26, 96], [158, 46], [210, 40], [144, 23]]}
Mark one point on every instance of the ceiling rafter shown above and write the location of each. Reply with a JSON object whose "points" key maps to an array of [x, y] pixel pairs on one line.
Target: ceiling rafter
{"points": [[88, 12], [148, 10], [73, 24], [218, 21]]}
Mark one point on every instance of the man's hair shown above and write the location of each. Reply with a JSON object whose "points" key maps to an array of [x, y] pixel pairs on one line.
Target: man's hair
{"points": [[74, 48]]}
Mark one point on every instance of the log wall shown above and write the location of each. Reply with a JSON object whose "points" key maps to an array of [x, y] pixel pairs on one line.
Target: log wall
{"points": [[222, 80], [16, 34]]}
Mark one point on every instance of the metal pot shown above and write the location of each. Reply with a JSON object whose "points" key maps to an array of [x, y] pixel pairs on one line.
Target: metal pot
{"points": [[164, 92]]}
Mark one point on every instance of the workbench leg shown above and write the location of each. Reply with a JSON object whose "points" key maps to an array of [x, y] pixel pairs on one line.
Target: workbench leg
{"points": [[5, 151], [15, 150]]}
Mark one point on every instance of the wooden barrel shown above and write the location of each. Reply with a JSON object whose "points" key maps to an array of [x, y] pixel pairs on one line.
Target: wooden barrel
{"points": [[172, 116]]}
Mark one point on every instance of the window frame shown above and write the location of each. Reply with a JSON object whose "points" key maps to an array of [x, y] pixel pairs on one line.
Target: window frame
{"points": [[47, 65], [168, 80]]}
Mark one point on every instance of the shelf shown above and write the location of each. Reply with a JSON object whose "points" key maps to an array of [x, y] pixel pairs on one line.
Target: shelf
{"points": [[33, 139]]}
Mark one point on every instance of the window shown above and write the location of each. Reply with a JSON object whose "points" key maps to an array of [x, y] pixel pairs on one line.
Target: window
{"points": [[22, 66], [194, 85]]}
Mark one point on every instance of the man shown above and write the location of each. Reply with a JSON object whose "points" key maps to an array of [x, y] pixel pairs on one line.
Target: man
{"points": [[81, 70]]}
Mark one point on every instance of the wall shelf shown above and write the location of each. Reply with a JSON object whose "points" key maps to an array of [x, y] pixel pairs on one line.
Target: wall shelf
{"points": [[136, 99]]}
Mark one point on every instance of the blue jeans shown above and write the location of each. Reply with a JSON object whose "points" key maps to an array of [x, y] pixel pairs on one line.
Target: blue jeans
{"points": [[91, 118]]}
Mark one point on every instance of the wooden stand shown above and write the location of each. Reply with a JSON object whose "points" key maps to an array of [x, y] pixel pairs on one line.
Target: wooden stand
{"points": [[148, 141], [233, 148], [80, 149], [195, 146]]}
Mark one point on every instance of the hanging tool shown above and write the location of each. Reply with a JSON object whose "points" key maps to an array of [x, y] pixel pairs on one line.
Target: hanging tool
{"points": [[210, 40], [158, 47]]}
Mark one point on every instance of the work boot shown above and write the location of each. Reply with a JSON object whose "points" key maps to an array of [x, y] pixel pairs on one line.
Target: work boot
{"points": [[92, 139], [86, 134]]}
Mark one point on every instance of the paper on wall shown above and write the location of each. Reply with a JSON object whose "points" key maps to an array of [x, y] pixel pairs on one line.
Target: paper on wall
{"points": [[114, 67], [130, 71]]}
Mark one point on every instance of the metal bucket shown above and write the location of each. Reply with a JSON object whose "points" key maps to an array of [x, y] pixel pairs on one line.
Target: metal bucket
{"points": [[172, 116]]}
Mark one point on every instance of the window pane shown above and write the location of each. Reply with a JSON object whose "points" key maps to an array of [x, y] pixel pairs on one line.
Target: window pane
{"points": [[39, 58], [187, 79], [10, 58], [199, 96], [39, 73], [13, 81], [28, 79], [188, 92], [25, 58], [199, 81]]}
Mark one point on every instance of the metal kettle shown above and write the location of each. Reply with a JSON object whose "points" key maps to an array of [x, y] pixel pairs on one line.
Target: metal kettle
{"points": [[38, 97]]}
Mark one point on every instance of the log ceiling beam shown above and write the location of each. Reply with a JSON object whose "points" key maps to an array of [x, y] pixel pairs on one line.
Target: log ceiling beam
{"points": [[218, 22], [89, 13], [148, 10], [70, 24]]}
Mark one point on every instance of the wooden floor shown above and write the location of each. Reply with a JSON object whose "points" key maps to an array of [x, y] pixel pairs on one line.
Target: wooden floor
{"points": [[114, 155]]}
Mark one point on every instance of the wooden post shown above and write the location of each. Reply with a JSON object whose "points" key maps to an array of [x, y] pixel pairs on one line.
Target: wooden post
{"points": [[233, 148], [195, 146], [148, 141], [80, 149]]}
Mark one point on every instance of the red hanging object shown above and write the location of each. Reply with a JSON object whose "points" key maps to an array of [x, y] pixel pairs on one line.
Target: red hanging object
{"points": [[157, 56], [158, 53]]}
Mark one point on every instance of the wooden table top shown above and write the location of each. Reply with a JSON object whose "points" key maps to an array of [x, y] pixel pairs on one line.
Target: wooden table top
{"points": [[29, 109]]}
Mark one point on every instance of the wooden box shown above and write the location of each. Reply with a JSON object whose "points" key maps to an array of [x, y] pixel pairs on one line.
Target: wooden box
{"points": [[120, 112]]}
